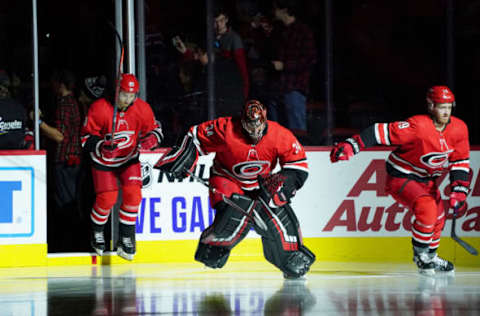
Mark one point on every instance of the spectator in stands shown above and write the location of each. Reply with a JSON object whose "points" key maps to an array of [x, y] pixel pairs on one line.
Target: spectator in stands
{"points": [[293, 63], [231, 75], [13, 118]]}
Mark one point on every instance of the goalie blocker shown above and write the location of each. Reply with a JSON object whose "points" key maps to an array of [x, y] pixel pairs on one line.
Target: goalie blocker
{"points": [[179, 159]]}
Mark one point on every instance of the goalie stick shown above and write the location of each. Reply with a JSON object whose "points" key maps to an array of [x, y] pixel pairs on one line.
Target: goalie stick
{"points": [[461, 242], [227, 200]]}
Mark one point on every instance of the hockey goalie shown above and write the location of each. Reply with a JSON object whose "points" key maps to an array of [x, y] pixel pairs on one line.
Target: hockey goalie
{"points": [[243, 189]]}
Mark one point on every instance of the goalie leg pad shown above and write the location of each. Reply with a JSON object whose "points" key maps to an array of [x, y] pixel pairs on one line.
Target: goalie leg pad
{"points": [[282, 242], [179, 159], [229, 227], [212, 256]]}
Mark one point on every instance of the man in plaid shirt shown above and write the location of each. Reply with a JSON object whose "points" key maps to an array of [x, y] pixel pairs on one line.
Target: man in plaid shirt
{"points": [[293, 64], [66, 154]]}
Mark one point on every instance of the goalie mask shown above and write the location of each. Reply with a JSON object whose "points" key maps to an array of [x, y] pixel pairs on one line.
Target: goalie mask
{"points": [[254, 120]]}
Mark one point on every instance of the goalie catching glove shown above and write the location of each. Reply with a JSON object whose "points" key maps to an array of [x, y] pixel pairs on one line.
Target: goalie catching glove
{"points": [[179, 160], [275, 189]]}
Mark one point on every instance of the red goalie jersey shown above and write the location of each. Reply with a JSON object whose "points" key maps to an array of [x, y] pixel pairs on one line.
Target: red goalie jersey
{"points": [[239, 160], [132, 124], [422, 151]]}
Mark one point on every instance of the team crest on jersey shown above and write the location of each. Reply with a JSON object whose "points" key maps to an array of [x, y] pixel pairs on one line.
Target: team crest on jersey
{"points": [[124, 139], [248, 170], [435, 159]]}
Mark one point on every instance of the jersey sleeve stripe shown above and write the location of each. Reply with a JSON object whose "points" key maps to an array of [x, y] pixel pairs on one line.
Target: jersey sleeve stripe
{"points": [[386, 134], [295, 161], [460, 168], [464, 161], [377, 133], [196, 142], [301, 167]]}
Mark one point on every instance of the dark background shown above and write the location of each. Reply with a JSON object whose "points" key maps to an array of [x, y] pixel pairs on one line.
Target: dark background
{"points": [[386, 54]]}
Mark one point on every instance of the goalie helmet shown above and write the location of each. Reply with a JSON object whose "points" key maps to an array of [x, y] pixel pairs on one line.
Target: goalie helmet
{"points": [[129, 83], [254, 118], [440, 94]]}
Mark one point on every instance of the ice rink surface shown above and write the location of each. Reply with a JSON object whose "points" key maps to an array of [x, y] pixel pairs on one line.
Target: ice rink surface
{"points": [[240, 288]]}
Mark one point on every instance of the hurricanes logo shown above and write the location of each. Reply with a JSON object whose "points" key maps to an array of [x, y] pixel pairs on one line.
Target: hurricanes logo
{"points": [[249, 170], [146, 174], [124, 139], [435, 159]]}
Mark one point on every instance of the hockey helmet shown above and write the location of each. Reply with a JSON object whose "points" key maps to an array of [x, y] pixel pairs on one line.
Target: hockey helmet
{"points": [[254, 118], [440, 94], [129, 83]]}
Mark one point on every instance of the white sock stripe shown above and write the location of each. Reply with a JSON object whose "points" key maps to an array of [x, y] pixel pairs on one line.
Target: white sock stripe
{"points": [[128, 214], [102, 222], [131, 208], [99, 215], [422, 225], [130, 223], [419, 233], [100, 210]]}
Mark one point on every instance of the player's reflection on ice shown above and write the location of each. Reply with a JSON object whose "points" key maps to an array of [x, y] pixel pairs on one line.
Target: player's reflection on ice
{"points": [[293, 298], [432, 297]]}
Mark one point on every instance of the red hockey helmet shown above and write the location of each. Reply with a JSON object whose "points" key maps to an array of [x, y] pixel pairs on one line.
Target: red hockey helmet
{"points": [[440, 94], [129, 83], [254, 118]]}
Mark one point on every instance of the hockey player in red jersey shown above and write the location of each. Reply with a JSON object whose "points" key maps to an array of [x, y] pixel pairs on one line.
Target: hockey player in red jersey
{"points": [[426, 147], [243, 188], [116, 158]]}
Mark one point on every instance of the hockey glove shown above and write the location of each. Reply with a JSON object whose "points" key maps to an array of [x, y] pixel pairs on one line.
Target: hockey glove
{"points": [[458, 196], [150, 141], [109, 150], [274, 190], [346, 149]]}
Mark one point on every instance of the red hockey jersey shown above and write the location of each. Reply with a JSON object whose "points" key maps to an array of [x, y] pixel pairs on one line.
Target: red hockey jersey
{"points": [[422, 150], [135, 122], [239, 160]]}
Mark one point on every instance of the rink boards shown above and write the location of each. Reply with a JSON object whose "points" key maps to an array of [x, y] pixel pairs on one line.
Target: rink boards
{"points": [[344, 212]]}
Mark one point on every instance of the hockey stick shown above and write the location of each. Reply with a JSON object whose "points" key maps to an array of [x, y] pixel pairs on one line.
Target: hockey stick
{"points": [[117, 84], [224, 197], [461, 242]]}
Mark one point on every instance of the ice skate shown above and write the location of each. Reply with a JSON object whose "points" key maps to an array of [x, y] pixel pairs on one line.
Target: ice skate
{"points": [[441, 265], [98, 242], [424, 262], [126, 247]]}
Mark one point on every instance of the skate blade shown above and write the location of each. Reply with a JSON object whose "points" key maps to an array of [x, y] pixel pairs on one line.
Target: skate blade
{"points": [[124, 255], [99, 252], [428, 272]]}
